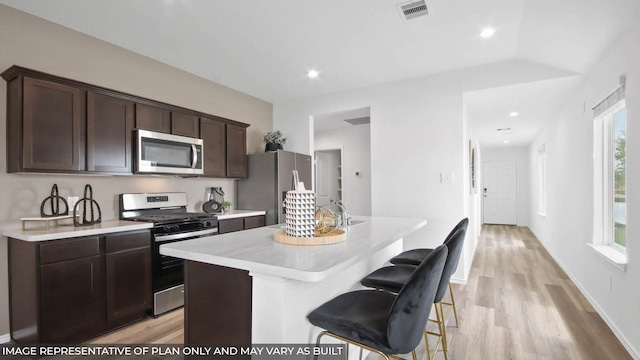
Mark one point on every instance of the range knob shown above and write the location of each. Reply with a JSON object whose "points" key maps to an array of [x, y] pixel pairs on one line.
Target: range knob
{"points": [[169, 228]]}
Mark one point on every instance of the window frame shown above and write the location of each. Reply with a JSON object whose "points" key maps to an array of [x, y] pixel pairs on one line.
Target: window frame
{"points": [[542, 196], [604, 181]]}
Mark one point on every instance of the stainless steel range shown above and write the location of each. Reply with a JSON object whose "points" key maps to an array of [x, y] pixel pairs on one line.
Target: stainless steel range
{"points": [[171, 223]]}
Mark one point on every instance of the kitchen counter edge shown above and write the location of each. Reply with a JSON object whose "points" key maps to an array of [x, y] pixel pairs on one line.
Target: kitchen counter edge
{"points": [[240, 213], [69, 231]]}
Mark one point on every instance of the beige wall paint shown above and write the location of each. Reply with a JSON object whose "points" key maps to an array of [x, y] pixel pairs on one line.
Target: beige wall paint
{"points": [[34, 43]]}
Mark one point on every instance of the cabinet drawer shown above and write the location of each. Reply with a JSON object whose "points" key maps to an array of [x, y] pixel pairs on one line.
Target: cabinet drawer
{"points": [[61, 250], [230, 225], [253, 222], [127, 241]]}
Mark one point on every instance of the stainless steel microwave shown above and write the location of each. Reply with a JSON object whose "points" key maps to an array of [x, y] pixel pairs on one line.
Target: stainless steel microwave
{"points": [[159, 153]]}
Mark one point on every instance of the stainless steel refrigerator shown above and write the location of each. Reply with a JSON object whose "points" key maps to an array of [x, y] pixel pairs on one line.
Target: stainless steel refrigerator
{"points": [[270, 176]]}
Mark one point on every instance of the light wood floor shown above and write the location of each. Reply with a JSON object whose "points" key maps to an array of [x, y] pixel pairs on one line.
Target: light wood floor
{"points": [[517, 304]]}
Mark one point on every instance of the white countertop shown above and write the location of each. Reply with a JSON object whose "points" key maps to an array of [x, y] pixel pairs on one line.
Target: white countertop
{"points": [[67, 231], [256, 251], [240, 213]]}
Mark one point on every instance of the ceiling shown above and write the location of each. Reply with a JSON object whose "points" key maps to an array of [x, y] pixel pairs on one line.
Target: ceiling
{"points": [[336, 121], [265, 48]]}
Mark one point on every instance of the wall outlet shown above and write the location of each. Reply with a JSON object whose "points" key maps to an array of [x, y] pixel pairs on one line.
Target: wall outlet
{"points": [[446, 178], [71, 201]]}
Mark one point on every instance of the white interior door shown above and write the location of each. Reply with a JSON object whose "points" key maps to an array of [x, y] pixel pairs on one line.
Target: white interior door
{"points": [[500, 192]]}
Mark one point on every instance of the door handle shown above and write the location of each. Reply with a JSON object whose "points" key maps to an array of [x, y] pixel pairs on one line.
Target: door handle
{"points": [[194, 156]]}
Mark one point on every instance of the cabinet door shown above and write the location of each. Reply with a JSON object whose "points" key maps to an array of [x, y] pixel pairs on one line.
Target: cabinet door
{"points": [[72, 300], [153, 118], [128, 274], [128, 283], [236, 151], [54, 126], [185, 125], [109, 133], [213, 135]]}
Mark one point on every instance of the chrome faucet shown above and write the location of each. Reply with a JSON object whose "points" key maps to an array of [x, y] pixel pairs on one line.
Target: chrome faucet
{"points": [[345, 218]]}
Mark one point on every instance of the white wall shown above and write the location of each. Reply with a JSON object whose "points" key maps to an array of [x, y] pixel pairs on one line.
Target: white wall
{"points": [[521, 156], [471, 195], [31, 42], [355, 143], [569, 183], [417, 133]]}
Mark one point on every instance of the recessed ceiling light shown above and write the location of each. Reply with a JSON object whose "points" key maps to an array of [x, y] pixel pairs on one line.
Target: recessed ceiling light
{"points": [[513, 114], [487, 33], [506, 141], [312, 74]]}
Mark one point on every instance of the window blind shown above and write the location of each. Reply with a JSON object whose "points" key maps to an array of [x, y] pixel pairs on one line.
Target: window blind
{"points": [[610, 100]]}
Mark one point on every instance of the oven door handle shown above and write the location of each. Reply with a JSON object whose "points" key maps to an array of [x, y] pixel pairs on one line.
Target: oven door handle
{"points": [[192, 234]]}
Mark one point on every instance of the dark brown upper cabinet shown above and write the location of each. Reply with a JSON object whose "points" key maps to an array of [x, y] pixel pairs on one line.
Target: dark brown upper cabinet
{"points": [[46, 126], [185, 124], [236, 151], [153, 118], [213, 135], [224, 147], [61, 125], [109, 127]]}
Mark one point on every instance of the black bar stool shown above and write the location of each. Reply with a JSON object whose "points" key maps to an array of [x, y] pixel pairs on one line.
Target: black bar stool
{"points": [[414, 256], [383, 322], [393, 278]]}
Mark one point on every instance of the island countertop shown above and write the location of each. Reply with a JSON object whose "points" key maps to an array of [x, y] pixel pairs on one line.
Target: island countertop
{"points": [[256, 251]]}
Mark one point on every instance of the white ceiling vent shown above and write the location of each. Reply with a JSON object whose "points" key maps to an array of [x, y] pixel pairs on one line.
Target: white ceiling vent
{"points": [[413, 9], [359, 121]]}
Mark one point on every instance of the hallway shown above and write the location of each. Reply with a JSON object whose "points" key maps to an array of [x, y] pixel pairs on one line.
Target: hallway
{"points": [[519, 304]]}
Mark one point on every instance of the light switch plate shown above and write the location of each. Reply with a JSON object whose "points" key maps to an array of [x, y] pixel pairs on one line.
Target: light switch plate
{"points": [[446, 178]]}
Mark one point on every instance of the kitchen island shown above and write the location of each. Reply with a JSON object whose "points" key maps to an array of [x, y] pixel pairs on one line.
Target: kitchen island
{"points": [[244, 287]]}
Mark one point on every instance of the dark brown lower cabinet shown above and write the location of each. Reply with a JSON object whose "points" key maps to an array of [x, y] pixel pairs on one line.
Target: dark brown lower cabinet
{"points": [[242, 223], [128, 277], [253, 222], [72, 296], [71, 290]]}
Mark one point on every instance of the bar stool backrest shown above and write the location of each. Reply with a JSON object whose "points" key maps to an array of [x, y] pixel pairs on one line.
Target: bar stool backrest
{"points": [[410, 311], [454, 245]]}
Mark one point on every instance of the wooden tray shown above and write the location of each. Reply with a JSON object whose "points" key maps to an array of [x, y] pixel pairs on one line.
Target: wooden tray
{"points": [[45, 222], [336, 236]]}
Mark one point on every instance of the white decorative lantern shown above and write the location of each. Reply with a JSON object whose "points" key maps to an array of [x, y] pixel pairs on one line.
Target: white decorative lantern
{"points": [[300, 212]]}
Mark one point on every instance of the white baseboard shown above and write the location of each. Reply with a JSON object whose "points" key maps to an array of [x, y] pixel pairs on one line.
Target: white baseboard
{"points": [[5, 338]]}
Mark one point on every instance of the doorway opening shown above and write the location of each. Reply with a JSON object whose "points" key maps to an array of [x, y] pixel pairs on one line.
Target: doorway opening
{"points": [[342, 149], [328, 176]]}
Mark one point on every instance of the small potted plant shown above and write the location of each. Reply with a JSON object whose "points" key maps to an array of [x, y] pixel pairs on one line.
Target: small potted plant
{"points": [[226, 206], [273, 140]]}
